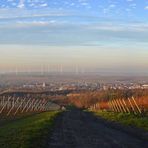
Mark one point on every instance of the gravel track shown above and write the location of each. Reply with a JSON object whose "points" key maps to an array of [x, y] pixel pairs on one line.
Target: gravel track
{"points": [[79, 129]]}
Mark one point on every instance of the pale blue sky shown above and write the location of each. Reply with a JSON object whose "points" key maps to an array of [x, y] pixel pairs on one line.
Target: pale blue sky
{"points": [[90, 34]]}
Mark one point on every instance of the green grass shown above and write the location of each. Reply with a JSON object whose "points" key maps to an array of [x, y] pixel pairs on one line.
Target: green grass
{"points": [[30, 132], [126, 119]]}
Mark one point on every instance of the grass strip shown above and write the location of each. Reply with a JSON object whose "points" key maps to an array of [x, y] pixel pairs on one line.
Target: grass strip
{"points": [[29, 132], [126, 119]]}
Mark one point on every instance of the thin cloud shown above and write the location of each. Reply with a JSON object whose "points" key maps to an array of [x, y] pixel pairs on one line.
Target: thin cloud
{"points": [[44, 5], [146, 8], [112, 6], [129, 0], [23, 13], [21, 4], [130, 27]]}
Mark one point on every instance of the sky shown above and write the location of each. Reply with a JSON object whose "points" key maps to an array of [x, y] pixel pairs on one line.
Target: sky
{"points": [[74, 35]]}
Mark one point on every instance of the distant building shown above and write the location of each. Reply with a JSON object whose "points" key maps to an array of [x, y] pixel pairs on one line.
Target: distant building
{"points": [[73, 95], [145, 86], [44, 85], [105, 87]]}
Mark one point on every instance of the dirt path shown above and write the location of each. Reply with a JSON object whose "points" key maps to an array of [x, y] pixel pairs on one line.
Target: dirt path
{"points": [[79, 129]]}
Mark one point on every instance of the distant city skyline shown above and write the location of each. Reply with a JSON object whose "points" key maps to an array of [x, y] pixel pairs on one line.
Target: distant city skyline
{"points": [[91, 35]]}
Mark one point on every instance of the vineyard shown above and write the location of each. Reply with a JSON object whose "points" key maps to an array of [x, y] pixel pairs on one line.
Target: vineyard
{"points": [[129, 105], [13, 106], [31, 118], [125, 101]]}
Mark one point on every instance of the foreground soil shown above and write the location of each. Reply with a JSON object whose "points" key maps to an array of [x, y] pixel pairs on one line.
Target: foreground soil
{"points": [[76, 128]]}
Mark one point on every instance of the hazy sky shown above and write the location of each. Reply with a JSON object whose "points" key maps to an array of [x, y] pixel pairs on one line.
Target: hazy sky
{"points": [[89, 35]]}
